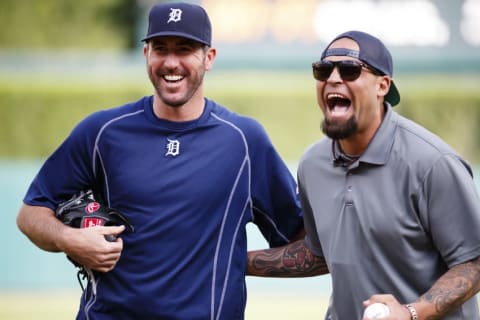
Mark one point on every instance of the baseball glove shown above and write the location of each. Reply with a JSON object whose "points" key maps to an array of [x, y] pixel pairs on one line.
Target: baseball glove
{"points": [[83, 211]]}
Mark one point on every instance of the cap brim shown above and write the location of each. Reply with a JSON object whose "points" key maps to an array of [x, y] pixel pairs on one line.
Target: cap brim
{"points": [[393, 96], [175, 34]]}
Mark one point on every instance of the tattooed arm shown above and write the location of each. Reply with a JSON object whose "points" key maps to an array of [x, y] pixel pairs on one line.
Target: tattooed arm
{"points": [[292, 260], [450, 291]]}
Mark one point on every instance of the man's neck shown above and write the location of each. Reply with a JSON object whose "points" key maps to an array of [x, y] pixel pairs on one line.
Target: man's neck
{"points": [[356, 144], [191, 110]]}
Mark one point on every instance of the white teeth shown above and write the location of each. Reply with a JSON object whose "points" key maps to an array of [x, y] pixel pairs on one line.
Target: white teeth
{"points": [[172, 77], [335, 95]]}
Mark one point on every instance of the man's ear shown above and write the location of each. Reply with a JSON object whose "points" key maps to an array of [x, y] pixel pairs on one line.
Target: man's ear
{"points": [[384, 85], [210, 58], [145, 49]]}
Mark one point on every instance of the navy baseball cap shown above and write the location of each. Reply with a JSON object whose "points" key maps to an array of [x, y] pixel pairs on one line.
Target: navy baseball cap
{"points": [[179, 19], [372, 52]]}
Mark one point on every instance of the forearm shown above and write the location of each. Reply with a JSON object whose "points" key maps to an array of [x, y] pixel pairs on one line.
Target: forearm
{"points": [[292, 260], [454, 288], [40, 226]]}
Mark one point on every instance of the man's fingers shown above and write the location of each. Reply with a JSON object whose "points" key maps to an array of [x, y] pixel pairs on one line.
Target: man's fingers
{"points": [[111, 233]]}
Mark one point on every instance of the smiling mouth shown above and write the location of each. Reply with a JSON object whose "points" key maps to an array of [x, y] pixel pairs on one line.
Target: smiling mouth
{"points": [[172, 77], [338, 104]]}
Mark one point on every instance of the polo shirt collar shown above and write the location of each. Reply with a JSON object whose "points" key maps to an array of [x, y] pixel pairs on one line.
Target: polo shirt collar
{"points": [[380, 147]]}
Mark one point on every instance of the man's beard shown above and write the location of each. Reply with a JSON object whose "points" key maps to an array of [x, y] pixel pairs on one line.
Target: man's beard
{"points": [[192, 88], [337, 131]]}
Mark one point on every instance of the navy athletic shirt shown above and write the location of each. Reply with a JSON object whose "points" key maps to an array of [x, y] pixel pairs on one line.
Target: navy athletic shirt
{"points": [[189, 189]]}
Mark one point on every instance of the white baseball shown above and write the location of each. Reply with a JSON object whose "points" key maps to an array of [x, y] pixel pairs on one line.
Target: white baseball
{"points": [[376, 311]]}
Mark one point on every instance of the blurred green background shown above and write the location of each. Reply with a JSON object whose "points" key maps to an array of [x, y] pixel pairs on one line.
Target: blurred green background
{"points": [[62, 59]]}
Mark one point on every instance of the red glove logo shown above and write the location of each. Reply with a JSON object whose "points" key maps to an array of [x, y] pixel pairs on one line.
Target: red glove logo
{"points": [[92, 207]]}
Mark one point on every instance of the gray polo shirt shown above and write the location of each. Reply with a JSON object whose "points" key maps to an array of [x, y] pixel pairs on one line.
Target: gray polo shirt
{"points": [[395, 220]]}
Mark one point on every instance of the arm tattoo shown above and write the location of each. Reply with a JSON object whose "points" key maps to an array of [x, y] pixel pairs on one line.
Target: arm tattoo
{"points": [[454, 288], [293, 260]]}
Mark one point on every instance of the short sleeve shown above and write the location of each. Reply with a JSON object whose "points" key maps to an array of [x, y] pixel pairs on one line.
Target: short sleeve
{"points": [[450, 210]]}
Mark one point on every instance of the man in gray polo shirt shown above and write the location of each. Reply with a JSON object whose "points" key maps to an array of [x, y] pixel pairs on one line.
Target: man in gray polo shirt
{"points": [[390, 210]]}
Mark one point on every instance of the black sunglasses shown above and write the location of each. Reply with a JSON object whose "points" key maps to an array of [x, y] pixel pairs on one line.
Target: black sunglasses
{"points": [[349, 70]]}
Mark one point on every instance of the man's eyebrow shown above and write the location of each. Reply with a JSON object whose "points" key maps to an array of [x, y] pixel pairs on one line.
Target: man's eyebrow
{"points": [[189, 42]]}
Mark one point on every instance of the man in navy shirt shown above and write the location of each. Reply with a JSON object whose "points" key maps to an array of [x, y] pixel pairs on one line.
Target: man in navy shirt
{"points": [[186, 172]]}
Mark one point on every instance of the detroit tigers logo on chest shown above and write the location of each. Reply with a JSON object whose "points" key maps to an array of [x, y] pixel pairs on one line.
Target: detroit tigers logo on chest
{"points": [[173, 147]]}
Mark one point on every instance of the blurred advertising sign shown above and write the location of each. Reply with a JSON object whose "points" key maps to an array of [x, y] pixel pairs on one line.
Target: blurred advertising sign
{"points": [[402, 23], [292, 33]]}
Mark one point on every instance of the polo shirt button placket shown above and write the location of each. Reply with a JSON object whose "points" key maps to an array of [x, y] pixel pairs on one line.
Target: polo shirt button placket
{"points": [[349, 194]]}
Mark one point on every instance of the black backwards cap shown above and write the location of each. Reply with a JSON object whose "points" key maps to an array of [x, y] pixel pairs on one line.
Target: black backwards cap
{"points": [[372, 52], [179, 19]]}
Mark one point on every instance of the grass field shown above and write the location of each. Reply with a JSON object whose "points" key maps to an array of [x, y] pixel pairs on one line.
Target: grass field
{"points": [[53, 305], [42, 305]]}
